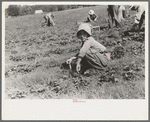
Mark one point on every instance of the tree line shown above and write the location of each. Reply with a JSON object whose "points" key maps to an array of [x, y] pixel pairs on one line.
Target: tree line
{"points": [[18, 10]]}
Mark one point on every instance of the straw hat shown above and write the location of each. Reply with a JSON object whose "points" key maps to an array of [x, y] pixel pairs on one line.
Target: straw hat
{"points": [[91, 12], [86, 27]]}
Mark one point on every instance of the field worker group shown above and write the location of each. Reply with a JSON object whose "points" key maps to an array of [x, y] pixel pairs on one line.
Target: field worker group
{"points": [[92, 54], [117, 13], [49, 19]]}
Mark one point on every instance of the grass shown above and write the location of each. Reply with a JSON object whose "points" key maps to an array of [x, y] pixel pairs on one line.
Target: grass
{"points": [[33, 56]]}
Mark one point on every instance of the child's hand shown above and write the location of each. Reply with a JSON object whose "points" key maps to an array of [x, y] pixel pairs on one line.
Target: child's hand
{"points": [[68, 61], [78, 67]]}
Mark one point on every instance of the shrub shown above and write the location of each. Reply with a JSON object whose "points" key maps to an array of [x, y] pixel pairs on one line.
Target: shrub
{"points": [[53, 8], [60, 7], [13, 10], [24, 10]]}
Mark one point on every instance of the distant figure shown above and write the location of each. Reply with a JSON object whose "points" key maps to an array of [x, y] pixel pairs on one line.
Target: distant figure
{"points": [[92, 17], [139, 16], [116, 14], [49, 19]]}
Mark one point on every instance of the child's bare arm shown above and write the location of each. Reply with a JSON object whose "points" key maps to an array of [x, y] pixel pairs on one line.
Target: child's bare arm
{"points": [[96, 18], [70, 60], [78, 66], [89, 18]]}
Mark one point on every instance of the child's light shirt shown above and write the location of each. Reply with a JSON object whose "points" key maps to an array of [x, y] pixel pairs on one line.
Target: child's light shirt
{"points": [[93, 44]]}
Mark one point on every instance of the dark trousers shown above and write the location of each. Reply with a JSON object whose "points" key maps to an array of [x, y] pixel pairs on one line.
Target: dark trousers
{"points": [[112, 14]]}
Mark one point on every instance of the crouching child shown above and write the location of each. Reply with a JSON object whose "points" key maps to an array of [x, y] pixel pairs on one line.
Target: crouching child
{"points": [[91, 55]]}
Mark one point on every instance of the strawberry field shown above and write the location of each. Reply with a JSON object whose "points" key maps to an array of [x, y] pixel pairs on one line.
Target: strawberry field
{"points": [[34, 54]]}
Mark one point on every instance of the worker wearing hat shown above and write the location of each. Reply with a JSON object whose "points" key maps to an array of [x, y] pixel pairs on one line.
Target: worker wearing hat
{"points": [[92, 53], [92, 17]]}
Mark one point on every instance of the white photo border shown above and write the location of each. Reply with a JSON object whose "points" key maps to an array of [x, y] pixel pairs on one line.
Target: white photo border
{"points": [[99, 109]]}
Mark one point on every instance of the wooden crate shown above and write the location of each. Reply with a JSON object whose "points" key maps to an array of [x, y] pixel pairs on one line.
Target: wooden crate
{"points": [[95, 28]]}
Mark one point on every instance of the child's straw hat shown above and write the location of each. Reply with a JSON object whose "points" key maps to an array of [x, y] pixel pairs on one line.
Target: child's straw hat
{"points": [[86, 27]]}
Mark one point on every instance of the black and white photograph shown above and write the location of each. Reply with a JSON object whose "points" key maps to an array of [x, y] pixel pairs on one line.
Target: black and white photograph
{"points": [[76, 51]]}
